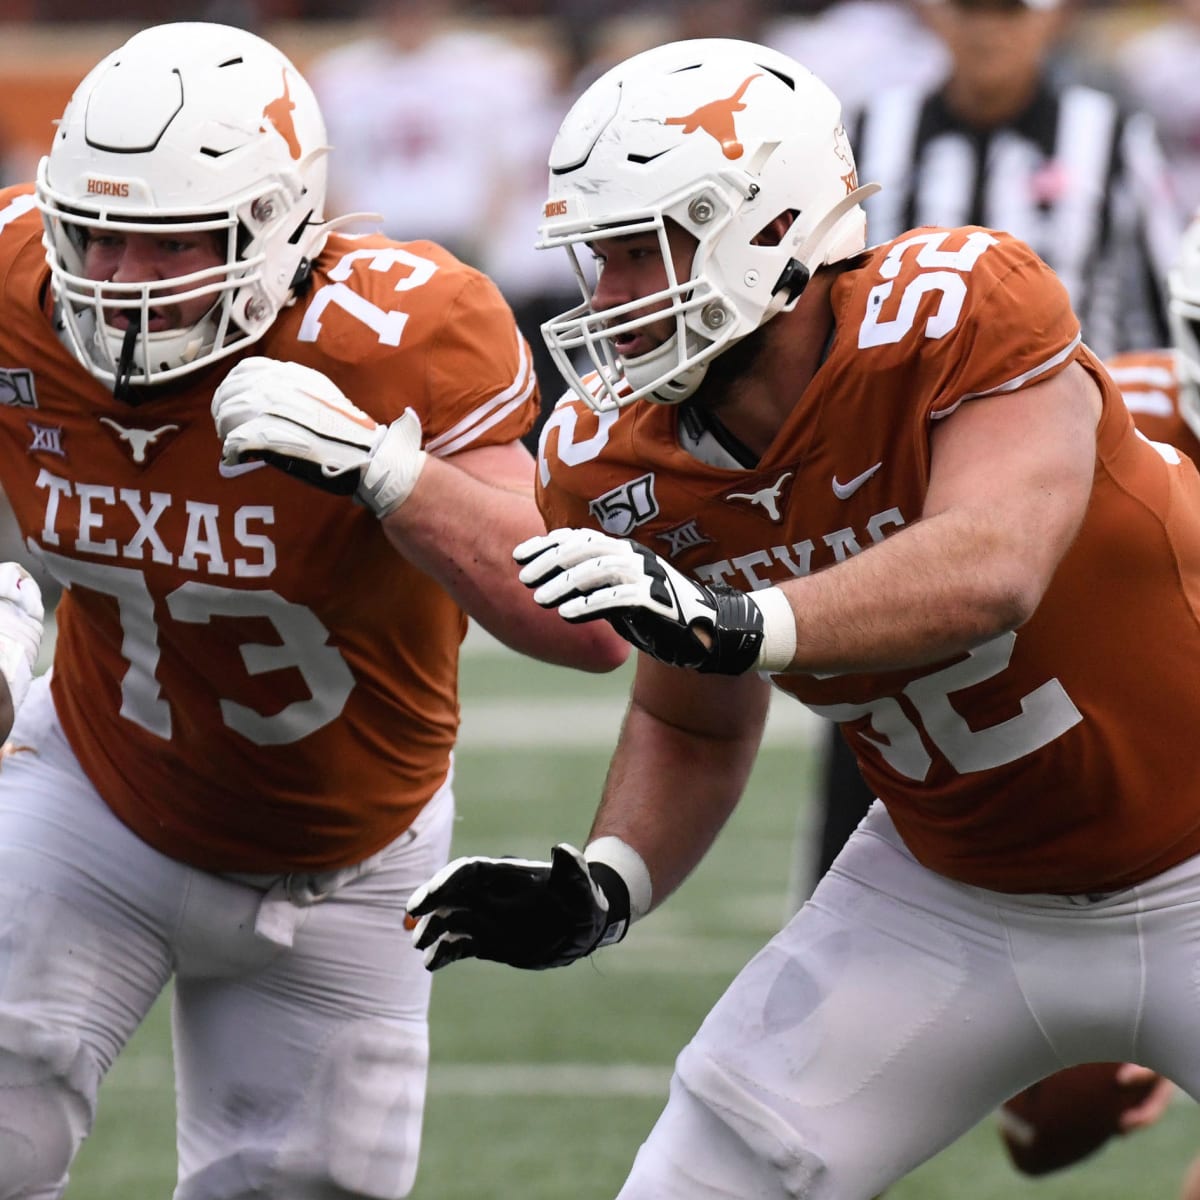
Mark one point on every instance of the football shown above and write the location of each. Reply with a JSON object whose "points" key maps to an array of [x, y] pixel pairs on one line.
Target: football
{"points": [[1067, 1116]]}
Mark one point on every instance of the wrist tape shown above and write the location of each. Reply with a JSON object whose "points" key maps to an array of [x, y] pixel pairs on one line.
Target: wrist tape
{"points": [[778, 647]]}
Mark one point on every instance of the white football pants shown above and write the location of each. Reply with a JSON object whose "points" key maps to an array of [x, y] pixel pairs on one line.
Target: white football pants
{"points": [[300, 1070], [897, 1009]]}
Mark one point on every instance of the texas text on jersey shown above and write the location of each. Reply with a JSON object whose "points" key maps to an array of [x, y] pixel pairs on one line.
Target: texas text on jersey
{"points": [[923, 324], [203, 599]]}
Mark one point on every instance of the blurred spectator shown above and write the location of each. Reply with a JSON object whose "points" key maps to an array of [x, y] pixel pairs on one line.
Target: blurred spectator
{"points": [[744, 19], [862, 47], [538, 285], [1004, 142], [1158, 69], [418, 112]]}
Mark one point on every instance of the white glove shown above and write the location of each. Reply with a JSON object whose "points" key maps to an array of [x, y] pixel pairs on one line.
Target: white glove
{"points": [[21, 618], [298, 420], [585, 575]]}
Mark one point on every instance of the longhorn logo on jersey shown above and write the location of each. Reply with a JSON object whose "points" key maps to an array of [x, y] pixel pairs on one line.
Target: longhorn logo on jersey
{"points": [[716, 119], [139, 441], [767, 497]]}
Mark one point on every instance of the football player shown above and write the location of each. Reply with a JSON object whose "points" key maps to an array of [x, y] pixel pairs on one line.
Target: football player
{"points": [[240, 765], [1162, 387], [894, 483], [1049, 1124]]}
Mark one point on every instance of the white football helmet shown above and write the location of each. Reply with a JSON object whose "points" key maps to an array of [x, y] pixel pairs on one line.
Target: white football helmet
{"points": [[1183, 313], [721, 137], [187, 127]]}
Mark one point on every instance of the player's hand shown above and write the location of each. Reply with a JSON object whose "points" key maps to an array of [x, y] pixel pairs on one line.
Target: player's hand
{"points": [[1155, 1103], [586, 574], [298, 420], [21, 619], [520, 912]]}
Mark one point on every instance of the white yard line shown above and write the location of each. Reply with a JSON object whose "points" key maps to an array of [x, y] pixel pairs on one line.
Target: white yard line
{"points": [[571, 723]]}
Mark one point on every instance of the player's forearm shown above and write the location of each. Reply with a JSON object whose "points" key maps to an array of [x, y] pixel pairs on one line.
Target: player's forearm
{"points": [[670, 790], [932, 591], [1010, 481], [461, 531]]}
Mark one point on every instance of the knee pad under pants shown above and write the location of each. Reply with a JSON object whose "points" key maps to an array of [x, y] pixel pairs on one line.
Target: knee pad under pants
{"points": [[47, 1101], [354, 1134]]}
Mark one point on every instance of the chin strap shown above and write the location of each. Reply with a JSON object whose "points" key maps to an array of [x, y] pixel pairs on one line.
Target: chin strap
{"points": [[122, 390]]}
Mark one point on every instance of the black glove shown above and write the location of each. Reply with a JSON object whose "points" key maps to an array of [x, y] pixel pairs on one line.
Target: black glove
{"points": [[585, 575], [526, 914]]}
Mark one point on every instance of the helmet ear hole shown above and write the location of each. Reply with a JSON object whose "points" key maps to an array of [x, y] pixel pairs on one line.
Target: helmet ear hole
{"points": [[775, 230]]}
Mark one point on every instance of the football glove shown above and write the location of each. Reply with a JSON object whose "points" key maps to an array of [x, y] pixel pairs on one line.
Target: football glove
{"points": [[297, 419], [21, 618], [586, 574], [527, 914]]}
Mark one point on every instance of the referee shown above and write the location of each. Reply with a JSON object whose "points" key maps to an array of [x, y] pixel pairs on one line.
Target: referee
{"points": [[1002, 143]]}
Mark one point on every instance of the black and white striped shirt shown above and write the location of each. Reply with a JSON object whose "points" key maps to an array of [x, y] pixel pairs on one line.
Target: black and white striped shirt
{"points": [[1080, 179]]}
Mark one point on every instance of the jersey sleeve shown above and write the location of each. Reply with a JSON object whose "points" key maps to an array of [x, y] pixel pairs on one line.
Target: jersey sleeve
{"points": [[407, 325], [20, 225], [481, 371], [992, 317]]}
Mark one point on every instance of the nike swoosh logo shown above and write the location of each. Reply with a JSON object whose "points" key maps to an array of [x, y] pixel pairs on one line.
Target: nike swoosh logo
{"points": [[843, 491], [229, 470]]}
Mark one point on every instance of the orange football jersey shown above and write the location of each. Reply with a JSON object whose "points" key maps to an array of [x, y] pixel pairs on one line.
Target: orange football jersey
{"points": [[1058, 758], [247, 670], [1150, 384]]}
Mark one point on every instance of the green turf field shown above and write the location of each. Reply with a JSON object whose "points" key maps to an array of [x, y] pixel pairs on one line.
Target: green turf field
{"points": [[543, 1084]]}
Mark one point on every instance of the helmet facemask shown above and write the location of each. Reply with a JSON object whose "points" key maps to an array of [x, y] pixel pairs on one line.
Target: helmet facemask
{"points": [[228, 142], [661, 373]]}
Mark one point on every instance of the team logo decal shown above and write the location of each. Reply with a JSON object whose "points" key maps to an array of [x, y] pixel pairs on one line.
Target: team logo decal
{"points": [[716, 119], [626, 507], [47, 439], [841, 149], [16, 388], [683, 537], [139, 441], [843, 491], [767, 498], [279, 113]]}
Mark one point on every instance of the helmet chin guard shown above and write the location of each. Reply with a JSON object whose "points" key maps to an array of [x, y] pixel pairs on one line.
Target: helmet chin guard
{"points": [[187, 128], [721, 138]]}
